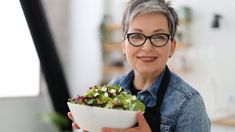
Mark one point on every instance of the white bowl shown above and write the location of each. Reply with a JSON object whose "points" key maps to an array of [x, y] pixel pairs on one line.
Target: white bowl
{"points": [[94, 118]]}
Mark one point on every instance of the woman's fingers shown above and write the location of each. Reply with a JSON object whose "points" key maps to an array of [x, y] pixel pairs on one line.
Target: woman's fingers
{"points": [[69, 114], [142, 123], [140, 119], [74, 125]]}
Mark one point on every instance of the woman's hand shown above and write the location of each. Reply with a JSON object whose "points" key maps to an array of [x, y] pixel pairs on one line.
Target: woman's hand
{"points": [[74, 125], [142, 126]]}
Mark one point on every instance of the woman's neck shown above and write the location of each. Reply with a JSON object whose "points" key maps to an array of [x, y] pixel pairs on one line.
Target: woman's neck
{"points": [[142, 82]]}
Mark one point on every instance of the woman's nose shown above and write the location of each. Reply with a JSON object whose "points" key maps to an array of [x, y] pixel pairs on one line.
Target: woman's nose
{"points": [[147, 45]]}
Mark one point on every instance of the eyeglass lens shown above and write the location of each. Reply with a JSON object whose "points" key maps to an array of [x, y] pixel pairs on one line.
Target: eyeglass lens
{"points": [[138, 39]]}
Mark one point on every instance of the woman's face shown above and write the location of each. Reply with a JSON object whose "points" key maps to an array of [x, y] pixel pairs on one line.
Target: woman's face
{"points": [[148, 59]]}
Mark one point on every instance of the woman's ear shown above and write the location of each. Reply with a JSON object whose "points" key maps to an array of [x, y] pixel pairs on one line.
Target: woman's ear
{"points": [[123, 47], [173, 46]]}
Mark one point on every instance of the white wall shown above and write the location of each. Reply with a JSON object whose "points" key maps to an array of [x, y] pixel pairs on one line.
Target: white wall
{"points": [[20, 114], [212, 53], [85, 49], [81, 59], [211, 56]]}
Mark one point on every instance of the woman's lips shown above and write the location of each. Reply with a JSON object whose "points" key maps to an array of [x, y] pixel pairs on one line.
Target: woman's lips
{"points": [[147, 59]]}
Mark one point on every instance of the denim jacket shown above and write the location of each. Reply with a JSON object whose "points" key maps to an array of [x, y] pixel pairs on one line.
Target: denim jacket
{"points": [[182, 109]]}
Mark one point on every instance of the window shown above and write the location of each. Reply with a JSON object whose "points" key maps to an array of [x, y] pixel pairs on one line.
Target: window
{"points": [[19, 63]]}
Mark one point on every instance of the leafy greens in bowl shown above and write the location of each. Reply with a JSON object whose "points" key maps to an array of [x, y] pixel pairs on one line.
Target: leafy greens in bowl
{"points": [[109, 96], [105, 106]]}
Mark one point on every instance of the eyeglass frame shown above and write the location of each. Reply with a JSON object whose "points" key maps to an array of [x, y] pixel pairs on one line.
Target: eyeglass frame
{"points": [[149, 37]]}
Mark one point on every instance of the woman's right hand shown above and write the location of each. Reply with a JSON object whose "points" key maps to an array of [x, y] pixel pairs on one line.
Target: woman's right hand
{"points": [[74, 125]]}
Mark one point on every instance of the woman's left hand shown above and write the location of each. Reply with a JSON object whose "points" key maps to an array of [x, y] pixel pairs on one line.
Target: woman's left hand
{"points": [[142, 126]]}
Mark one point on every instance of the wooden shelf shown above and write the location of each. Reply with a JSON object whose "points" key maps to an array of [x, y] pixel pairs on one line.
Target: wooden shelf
{"points": [[114, 69], [225, 121], [184, 21], [110, 47], [183, 46], [112, 27]]}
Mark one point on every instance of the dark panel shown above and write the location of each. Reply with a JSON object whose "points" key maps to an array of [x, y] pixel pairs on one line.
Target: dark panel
{"points": [[47, 54]]}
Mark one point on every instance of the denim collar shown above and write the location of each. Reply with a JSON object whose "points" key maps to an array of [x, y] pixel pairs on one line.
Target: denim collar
{"points": [[152, 89]]}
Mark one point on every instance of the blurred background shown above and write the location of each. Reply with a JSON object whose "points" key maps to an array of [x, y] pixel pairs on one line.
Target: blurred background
{"points": [[87, 39]]}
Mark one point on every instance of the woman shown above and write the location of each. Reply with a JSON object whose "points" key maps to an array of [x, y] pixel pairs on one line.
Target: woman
{"points": [[149, 28]]}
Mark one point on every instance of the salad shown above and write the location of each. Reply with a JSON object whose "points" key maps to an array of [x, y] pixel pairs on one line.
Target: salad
{"points": [[109, 96]]}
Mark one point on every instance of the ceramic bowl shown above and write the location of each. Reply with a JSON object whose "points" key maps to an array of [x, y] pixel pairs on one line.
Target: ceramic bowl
{"points": [[94, 118]]}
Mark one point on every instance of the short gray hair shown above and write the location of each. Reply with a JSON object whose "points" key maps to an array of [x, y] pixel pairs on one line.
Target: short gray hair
{"points": [[138, 7]]}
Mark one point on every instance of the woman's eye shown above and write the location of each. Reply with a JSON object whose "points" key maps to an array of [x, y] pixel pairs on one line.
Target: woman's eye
{"points": [[136, 36], [159, 37]]}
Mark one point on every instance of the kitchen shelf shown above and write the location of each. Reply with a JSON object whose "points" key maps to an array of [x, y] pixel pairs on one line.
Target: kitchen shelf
{"points": [[112, 27], [110, 47], [225, 121], [113, 59], [114, 69], [184, 21], [183, 46]]}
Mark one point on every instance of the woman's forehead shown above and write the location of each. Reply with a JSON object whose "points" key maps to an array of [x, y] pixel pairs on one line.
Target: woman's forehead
{"points": [[149, 22]]}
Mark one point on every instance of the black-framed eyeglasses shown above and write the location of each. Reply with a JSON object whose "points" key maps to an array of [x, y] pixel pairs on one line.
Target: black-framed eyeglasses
{"points": [[138, 39]]}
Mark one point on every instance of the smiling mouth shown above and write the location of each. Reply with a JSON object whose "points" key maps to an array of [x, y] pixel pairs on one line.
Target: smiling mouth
{"points": [[147, 59]]}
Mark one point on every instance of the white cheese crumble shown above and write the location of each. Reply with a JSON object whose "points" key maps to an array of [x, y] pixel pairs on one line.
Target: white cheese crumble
{"points": [[96, 94], [124, 92], [106, 94], [113, 91], [133, 97], [128, 100], [104, 89]]}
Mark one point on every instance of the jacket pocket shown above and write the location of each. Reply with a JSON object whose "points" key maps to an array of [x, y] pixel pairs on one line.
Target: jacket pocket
{"points": [[165, 128], [166, 124]]}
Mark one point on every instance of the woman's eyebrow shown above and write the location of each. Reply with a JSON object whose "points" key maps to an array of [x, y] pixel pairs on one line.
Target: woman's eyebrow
{"points": [[155, 31], [159, 30], [136, 29]]}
